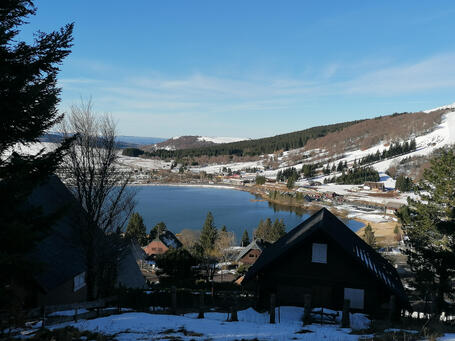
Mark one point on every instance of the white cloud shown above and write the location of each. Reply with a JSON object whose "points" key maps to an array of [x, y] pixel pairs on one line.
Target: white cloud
{"points": [[437, 72], [181, 100]]}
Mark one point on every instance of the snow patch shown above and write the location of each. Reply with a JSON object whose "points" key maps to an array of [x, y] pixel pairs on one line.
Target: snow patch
{"points": [[220, 139], [444, 107]]}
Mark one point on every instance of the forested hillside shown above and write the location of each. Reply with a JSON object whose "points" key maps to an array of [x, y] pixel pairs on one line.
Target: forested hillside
{"points": [[367, 133], [266, 145]]}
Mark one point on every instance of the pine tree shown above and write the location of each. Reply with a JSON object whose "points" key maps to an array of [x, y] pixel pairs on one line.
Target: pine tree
{"points": [[245, 238], [157, 230], [28, 108], [263, 230], [429, 225], [270, 232], [404, 184], [369, 236], [291, 182], [223, 228], [278, 230], [208, 234], [136, 229]]}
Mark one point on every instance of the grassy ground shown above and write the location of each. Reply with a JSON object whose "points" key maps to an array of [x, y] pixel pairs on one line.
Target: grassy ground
{"points": [[383, 232]]}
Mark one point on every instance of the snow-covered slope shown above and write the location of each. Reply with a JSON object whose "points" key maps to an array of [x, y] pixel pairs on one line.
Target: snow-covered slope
{"points": [[444, 107], [220, 139], [187, 142]]}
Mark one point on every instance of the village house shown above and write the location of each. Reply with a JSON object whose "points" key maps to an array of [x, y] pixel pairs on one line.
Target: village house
{"points": [[376, 186], [323, 258], [165, 240], [251, 252], [391, 207]]}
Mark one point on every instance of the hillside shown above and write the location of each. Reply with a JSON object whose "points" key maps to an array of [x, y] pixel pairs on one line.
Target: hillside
{"points": [[255, 147], [386, 129]]}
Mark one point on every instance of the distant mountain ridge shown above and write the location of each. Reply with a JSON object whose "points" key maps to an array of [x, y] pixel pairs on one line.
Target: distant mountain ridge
{"points": [[334, 139], [190, 141]]}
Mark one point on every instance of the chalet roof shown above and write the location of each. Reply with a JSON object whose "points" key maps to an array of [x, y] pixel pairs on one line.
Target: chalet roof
{"points": [[61, 257], [170, 240], [325, 221], [129, 275], [256, 244]]}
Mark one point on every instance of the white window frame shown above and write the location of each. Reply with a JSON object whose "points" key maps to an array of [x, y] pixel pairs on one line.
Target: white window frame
{"points": [[356, 297], [319, 253], [79, 282]]}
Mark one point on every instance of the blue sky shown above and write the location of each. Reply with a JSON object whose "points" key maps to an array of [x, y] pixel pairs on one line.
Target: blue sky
{"points": [[252, 68]]}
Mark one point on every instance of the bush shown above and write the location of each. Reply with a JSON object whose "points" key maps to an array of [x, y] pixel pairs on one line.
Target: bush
{"points": [[260, 180], [134, 152], [176, 264], [404, 184]]}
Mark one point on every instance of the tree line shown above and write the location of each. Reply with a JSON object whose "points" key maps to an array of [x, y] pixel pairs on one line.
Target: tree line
{"points": [[394, 150], [355, 176]]}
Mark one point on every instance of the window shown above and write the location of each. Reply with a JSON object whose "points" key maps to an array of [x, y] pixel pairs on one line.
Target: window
{"points": [[79, 282], [355, 296], [251, 255], [319, 254]]}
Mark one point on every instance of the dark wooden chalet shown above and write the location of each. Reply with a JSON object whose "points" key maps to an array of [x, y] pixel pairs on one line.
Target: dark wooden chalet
{"points": [[324, 258]]}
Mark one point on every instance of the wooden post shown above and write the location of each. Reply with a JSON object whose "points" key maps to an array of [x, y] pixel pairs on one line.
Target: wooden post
{"points": [[272, 308], [174, 300], [43, 313], [307, 309], [75, 314], [392, 308], [201, 305], [234, 317], [345, 320]]}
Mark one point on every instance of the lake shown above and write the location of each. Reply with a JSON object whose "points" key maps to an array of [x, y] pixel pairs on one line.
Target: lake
{"points": [[185, 207]]}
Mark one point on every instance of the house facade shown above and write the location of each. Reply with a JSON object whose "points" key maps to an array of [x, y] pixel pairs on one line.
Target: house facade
{"points": [[63, 270], [323, 258], [252, 252], [62, 276]]}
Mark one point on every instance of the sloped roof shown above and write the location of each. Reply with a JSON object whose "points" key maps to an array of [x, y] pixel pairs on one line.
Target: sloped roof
{"points": [[60, 255], [324, 220], [256, 244], [129, 275], [170, 240]]}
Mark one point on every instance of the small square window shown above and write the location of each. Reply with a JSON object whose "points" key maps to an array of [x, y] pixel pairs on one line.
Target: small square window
{"points": [[79, 282], [319, 254]]}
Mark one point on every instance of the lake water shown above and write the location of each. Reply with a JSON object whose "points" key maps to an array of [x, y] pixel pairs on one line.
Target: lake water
{"points": [[185, 207]]}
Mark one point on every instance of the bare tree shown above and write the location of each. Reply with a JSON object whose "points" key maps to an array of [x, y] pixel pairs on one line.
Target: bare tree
{"points": [[223, 247], [92, 173]]}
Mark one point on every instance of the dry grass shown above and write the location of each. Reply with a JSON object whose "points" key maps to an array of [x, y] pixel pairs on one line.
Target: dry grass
{"points": [[383, 232]]}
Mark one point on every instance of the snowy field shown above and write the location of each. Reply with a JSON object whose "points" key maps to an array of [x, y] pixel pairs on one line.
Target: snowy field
{"points": [[251, 325]]}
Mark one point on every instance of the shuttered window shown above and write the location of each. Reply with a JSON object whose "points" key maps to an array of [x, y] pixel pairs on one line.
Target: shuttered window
{"points": [[355, 296], [319, 254]]}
